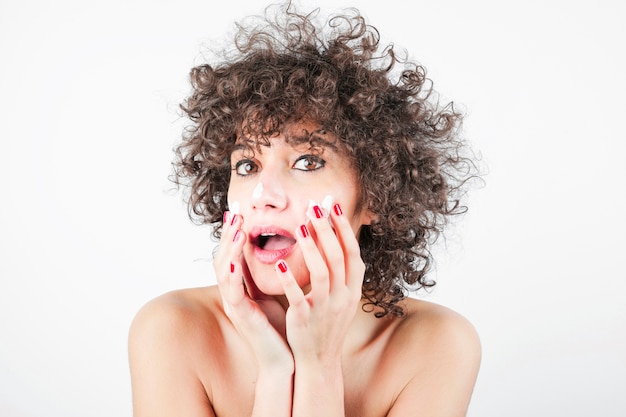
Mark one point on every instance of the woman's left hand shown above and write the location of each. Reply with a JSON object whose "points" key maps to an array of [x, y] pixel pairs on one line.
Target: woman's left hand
{"points": [[317, 322]]}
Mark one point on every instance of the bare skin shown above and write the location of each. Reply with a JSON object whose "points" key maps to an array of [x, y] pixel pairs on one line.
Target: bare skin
{"points": [[187, 359], [284, 332]]}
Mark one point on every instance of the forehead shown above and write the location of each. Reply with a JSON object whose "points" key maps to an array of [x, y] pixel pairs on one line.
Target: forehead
{"points": [[302, 136]]}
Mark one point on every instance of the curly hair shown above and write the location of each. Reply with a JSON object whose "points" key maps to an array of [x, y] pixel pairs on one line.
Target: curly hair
{"points": [[285, 67]]}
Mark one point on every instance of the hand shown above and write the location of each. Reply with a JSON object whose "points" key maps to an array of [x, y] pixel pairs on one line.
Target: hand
{"points": [[246, 307], [317, 322]]}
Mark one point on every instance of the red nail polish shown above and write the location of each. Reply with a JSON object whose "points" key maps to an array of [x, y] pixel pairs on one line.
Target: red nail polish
{"points": [[304, 231], [225, 218], [282, 266], [233, 220], [232, 268], [338, 210], [236, 236], [318, 211]]}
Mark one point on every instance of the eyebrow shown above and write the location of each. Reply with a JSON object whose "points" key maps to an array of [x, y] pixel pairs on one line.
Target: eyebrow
{"points": [[315, 139], [246, 149]]}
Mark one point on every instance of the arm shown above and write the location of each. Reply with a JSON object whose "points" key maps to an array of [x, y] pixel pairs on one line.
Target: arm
{"points": [[319, 390], [317, 323], [274, 385]]}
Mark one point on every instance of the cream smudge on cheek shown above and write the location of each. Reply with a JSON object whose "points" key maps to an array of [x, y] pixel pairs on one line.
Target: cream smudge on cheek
{"points": [[258, 191], [326, 204], [234, 207]]}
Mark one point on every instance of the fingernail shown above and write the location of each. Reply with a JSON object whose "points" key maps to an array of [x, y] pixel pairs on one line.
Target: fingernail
{"points": [[233, 220], [225, 218], [232, 268], [282, 266], [304, 231], [318, 211], [236, 237], [337, 209]]}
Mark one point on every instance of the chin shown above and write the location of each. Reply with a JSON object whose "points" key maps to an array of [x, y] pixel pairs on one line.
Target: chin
{"points": [[267, 280]]}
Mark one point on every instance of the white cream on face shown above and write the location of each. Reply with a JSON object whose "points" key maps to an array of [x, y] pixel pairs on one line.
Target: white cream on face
{"points": [[234, 207], [258, 191], [326, 204]]}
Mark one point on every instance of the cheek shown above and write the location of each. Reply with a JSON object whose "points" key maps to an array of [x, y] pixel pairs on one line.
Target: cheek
{"points": [[238, 194]]}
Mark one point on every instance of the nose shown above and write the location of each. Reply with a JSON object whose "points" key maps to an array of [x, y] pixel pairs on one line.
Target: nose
{"points": [[269, 192]]}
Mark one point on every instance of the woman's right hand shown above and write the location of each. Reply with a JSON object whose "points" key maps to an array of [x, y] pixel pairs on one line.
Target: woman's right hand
{"points": [[255, 316]]}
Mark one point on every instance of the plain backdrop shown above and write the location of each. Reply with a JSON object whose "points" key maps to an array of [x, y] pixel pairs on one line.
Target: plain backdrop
{"points": [[90, 228]]}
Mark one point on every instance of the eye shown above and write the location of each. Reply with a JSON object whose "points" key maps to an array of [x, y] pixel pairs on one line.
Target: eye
{"points": [[246, 167], [309, 163]]}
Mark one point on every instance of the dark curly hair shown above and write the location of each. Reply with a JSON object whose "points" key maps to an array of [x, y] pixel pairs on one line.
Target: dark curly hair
{"points": [[405, 147]]}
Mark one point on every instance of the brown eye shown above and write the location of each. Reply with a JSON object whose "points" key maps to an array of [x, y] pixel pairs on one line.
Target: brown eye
{"points": [[309, 163], [246, 167]]}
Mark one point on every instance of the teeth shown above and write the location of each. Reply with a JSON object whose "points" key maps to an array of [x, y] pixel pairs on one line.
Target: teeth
{"points": [[268, 234]]}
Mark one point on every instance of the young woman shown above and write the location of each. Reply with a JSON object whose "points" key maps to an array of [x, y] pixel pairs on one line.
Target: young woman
{"points": [[326, 179]]}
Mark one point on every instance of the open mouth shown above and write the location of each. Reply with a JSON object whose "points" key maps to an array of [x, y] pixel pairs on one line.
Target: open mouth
{"points": [[273, 242]]}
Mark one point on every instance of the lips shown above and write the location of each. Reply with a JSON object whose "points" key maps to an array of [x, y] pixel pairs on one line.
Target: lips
{"points": [[271, 243]]}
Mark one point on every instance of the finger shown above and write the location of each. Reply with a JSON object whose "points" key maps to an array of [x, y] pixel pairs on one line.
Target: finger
{"points": [[234, 290], [229, 250], [315, 262], [235, 295], [355, 268], [329, 246], [293, 292], [231, 222], [251, 288], [229, 215], [243, 312]]}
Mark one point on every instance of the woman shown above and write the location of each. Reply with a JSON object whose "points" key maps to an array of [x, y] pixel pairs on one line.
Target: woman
{"points": [[326, 180]]}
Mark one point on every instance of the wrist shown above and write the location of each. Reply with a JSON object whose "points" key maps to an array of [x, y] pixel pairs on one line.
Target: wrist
{"points": [[318, 386], [273, 392], [328, 361], [326, 369], [277, 367]]}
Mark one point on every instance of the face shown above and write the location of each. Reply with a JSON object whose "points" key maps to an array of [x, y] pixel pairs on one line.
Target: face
{"points": [[274, 187]]}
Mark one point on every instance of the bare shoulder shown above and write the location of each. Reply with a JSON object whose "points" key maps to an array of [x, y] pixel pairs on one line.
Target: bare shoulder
{"points": [[180, 323], [432, 327], [440, 353], [180, 312], [182, 301], [169, 346]]}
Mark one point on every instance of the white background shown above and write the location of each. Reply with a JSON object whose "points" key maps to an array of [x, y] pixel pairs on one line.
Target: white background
{"points": [[89, 229]]}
